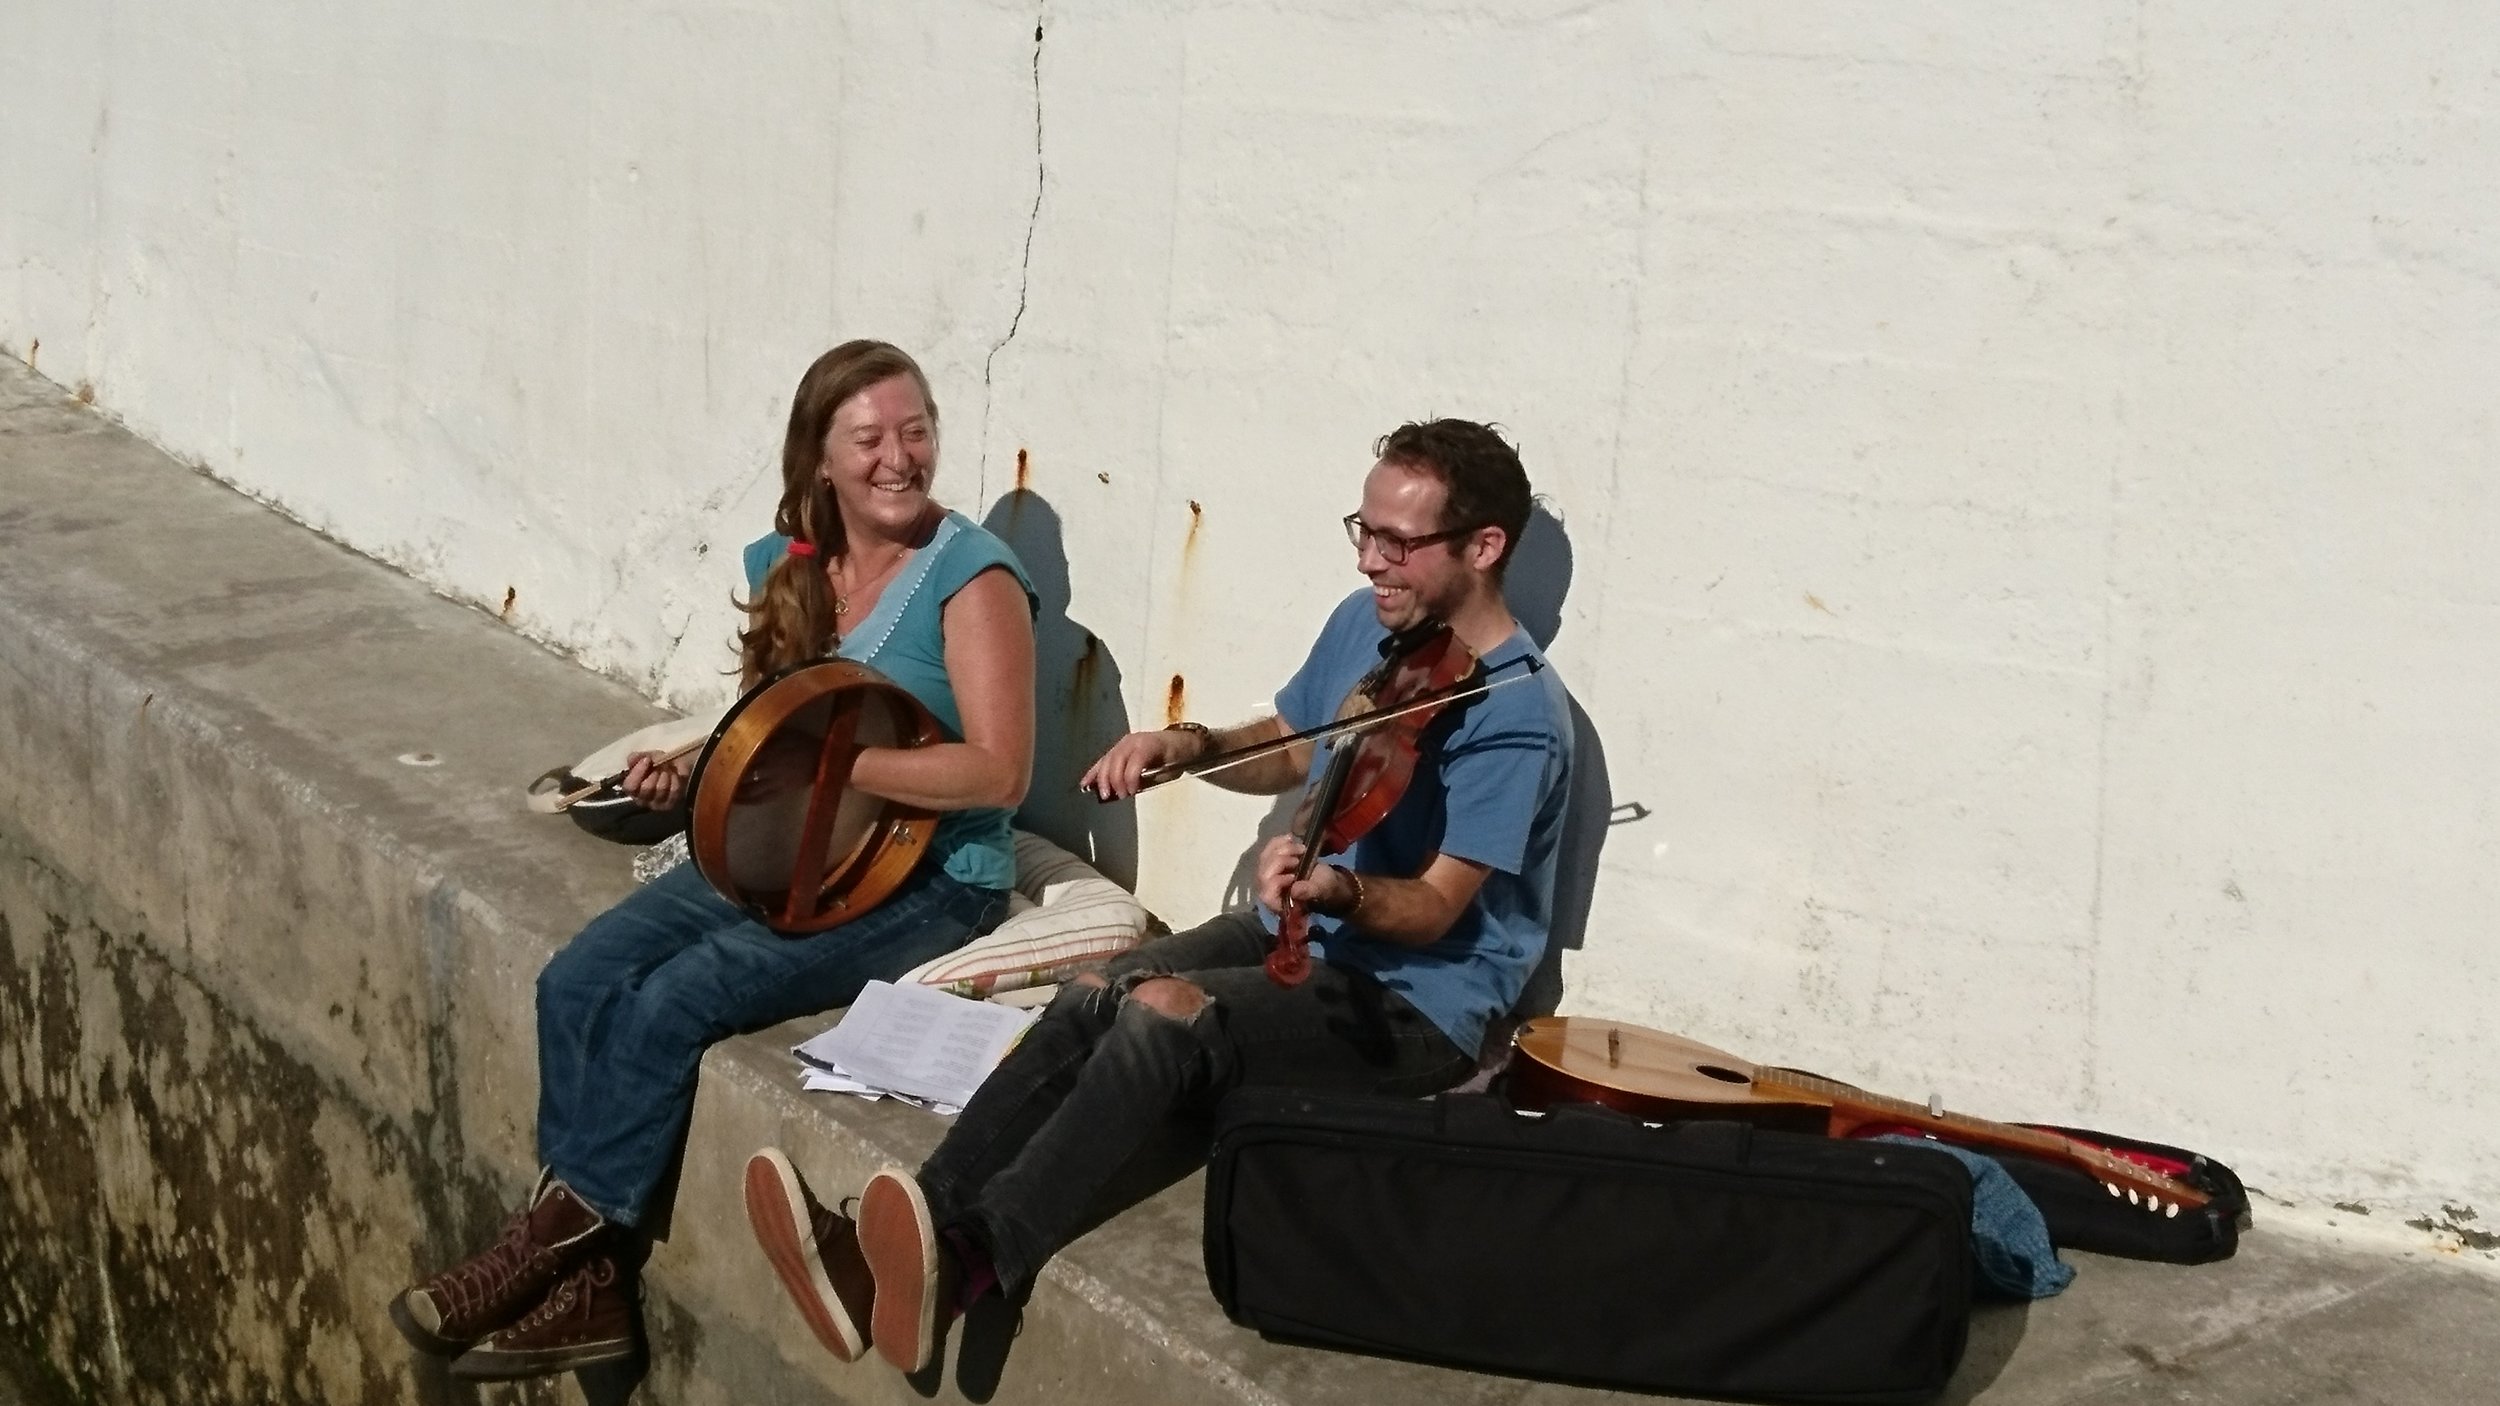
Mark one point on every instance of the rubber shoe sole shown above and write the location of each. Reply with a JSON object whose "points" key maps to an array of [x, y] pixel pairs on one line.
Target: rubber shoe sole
{"points": [[900, 1245], [485, 1364], [418, 1336], [777, 1209]]}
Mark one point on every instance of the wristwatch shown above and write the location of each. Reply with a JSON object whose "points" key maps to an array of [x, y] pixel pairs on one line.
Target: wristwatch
{"points": [[1204, 734]]}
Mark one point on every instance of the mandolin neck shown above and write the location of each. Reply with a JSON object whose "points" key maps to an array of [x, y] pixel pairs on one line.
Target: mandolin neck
{"points": [[1853, 1107]]}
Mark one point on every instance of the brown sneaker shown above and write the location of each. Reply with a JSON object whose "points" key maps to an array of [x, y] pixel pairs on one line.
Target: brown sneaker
{"points": [[814, 1251], [487, 1291], [899, 1241], [589, 1317]]}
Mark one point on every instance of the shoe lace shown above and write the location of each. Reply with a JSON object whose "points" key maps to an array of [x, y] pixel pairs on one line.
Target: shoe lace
{"points": [[472, 1285], [572, 1294], [822, 1221]]}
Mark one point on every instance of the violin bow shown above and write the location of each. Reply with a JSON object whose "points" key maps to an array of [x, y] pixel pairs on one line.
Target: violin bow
{"points": [[1483, 682]]}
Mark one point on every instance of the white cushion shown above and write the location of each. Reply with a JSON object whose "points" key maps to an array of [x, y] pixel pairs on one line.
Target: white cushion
{"points": [[1062, 916]]}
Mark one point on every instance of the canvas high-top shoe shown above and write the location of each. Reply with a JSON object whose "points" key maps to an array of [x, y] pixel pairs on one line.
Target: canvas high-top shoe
{"points": [[447, 1313], [589, 1317], [814, 1251]]}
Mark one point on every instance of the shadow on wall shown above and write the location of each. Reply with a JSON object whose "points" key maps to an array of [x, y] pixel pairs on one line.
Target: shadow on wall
{"points": [[1240, 890], [1538, 581], [1076, 698]]}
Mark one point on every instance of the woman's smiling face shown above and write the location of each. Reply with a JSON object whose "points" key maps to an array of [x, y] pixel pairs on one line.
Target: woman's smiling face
{"points": [[880, 456]]}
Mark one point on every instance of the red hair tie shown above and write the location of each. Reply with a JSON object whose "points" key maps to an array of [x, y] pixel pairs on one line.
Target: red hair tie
{"points": [[802, 549]]}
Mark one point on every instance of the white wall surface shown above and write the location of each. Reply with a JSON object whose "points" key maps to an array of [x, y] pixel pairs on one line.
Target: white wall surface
{"points": [[2021, 487]]}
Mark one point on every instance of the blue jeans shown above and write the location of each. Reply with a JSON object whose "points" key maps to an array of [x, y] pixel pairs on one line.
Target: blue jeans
{"points": [[1096, 1076], [627, 1009]]}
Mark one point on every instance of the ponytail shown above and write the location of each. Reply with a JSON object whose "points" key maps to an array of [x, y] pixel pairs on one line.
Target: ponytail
{"points": [[790, 620]]}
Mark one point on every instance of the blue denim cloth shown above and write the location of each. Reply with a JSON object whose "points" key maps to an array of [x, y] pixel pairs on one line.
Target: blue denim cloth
{"points": [[627, 1009], [2008, 1235]]}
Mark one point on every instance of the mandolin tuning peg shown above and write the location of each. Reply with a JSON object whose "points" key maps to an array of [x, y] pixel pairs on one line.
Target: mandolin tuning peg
{"points": [[2152, 1203], [2132, 1198], [2111, 1187], [2171, 1211]]}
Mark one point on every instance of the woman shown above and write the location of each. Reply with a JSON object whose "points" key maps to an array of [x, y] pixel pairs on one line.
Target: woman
{"points": [[864, 564]]}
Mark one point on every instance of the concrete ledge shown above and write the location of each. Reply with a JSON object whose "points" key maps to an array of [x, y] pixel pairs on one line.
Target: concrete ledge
{"points": [[271, 915]]}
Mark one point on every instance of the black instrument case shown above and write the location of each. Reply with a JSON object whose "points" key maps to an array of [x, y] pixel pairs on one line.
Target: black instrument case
{"points": [[1699, 1258]]}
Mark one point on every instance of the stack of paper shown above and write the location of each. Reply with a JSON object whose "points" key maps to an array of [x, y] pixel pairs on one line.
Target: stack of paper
{"points": [[912, 1042]]}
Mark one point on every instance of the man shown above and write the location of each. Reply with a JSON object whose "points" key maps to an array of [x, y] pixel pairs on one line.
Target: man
{"points": [[1423, 933]]}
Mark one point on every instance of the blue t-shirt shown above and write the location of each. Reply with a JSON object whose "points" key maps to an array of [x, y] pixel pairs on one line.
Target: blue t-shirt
{"points": [[1491, 788], [905, 640]]}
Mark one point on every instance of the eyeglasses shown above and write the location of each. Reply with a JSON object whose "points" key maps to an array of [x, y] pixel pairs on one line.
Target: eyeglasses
{"points": [[1393, 548]]}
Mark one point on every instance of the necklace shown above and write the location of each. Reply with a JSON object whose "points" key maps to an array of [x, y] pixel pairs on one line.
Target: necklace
{"points": [[842, 602]]}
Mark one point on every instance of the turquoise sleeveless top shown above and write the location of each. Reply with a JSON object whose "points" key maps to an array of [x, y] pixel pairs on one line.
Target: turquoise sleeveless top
{"points": [[904, 639]]}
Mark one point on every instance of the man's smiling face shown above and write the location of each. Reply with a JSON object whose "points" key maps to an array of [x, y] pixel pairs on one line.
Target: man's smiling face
{"points": [[1406, 502]]}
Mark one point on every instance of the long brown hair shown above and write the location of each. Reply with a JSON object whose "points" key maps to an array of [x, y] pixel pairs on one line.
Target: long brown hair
{"points": [[790, 621]]}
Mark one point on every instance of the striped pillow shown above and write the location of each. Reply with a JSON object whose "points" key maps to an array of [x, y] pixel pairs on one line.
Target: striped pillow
{"points": [[1063, 915]]}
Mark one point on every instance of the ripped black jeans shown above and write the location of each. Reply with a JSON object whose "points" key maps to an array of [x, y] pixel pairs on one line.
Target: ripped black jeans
{"points": [[1098, 1074]]}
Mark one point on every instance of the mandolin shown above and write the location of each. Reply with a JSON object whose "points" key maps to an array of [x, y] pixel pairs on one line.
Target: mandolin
{"points": [[1657, 1076]]}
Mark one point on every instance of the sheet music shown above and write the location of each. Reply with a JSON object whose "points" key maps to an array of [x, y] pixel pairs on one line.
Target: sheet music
{"points": [[825, 1081], [916, 1042]]}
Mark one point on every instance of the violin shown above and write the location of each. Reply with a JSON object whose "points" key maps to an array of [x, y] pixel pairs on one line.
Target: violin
{"points": [[1370, 768], [1374, 743]]}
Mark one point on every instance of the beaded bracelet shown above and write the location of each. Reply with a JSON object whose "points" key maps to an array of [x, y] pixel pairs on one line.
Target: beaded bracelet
{"points": [[1355, 879]]}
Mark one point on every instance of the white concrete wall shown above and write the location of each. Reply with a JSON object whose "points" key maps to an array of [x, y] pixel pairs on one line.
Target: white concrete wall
{"points": [[2023, 473]]}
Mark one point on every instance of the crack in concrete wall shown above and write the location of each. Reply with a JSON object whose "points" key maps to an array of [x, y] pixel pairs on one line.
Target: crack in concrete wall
{"points": [[1024, 267]]}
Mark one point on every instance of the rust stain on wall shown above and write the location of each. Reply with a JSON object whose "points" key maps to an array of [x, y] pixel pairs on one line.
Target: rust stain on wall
{"points": [[1189, 550], [86, 392], [510, 594], [1024, 469], [1175, 706]]}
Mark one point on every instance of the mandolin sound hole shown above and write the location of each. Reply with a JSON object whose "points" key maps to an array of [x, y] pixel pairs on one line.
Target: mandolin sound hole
{"points": [[1724, 1076]]}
